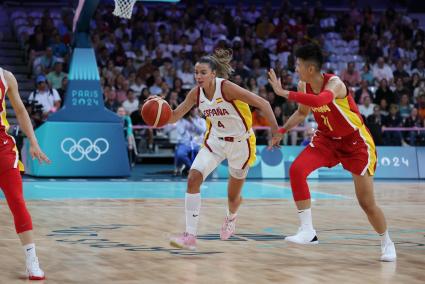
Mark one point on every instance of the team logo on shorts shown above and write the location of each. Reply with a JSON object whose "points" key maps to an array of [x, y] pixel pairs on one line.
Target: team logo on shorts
{"points": [[84, 148]]}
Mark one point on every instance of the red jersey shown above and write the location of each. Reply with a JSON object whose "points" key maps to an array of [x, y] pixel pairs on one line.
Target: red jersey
{"points": [[340, 117], [9, 155]]}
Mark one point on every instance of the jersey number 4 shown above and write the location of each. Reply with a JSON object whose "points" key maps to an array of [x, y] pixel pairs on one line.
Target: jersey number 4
{"points": [[220, 124]]}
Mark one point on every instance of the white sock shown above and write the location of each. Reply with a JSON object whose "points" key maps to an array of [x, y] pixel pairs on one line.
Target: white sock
{"points": [[192, 208], [231, 215], [385, 237], [305, 218], [30, 251]]}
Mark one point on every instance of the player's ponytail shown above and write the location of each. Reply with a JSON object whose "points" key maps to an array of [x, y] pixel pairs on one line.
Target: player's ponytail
{"points": [[223, 58], [219, 62]]}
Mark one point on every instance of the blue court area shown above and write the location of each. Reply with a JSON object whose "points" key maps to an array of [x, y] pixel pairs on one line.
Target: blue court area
{"points": [[172, 189]]}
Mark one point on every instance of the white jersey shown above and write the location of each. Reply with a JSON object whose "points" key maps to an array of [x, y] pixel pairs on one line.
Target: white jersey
{"points": [[224, 118]]}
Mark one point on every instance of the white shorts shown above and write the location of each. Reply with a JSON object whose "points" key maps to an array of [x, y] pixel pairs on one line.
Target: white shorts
{"points": [[240, 155]]}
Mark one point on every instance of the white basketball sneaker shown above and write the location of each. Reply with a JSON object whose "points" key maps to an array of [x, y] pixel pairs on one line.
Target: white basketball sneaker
{"points": [[388, 253], [304, 236], [34, 271]]}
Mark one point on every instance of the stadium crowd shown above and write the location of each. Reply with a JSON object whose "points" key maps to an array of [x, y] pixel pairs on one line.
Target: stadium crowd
{"points": [[379, 55]]}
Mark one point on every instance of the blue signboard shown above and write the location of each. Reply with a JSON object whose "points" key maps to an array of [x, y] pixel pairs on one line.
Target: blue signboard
{"points": [[397, 162], [80, 150], [393, 162]]}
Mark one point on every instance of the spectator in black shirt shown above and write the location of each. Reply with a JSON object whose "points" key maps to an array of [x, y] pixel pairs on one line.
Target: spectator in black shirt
{"points": [[362, 92], [401, 73], [375, 122], [414, 120], [393, 138], [384, 92]]}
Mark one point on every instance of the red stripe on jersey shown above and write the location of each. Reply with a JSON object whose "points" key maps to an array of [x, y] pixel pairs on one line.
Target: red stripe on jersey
{"points": [[249, 154], [233, 104], [206, 138], [198, 94]]}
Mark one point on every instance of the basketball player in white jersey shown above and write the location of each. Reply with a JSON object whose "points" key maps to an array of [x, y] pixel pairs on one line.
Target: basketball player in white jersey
{"points": [[229, 136], [10, 167]]}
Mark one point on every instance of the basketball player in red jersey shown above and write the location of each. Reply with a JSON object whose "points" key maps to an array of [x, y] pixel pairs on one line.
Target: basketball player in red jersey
{"points": [[341, 137], [10, 167]]}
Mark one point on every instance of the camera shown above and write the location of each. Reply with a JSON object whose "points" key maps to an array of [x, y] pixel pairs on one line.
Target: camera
{"points": [[34, 108]]}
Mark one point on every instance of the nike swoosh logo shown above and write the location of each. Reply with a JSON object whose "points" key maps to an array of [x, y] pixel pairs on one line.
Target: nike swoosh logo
{"points": [[354, 143], [195, 215], [5, 142], [29, 249], [202, 102]]}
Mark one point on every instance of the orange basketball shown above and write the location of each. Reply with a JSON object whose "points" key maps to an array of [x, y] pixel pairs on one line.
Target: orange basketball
{"points": [[156, 112]]}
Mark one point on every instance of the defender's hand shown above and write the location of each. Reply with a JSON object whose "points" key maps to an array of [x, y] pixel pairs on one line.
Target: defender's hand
{"points": [[275, 141], [277, 84], [36, 153]]}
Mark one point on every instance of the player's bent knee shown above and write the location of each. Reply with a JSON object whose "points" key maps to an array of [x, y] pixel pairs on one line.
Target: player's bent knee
{"points": [[194, 181], [238, 173], [296, 171]]}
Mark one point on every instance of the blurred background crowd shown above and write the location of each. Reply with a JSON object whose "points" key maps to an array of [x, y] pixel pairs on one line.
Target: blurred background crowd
{"points": [[380, 55]]}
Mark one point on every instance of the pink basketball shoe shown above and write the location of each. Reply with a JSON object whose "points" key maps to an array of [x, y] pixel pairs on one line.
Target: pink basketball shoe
{"points": [[184, 241], [228, 228]]}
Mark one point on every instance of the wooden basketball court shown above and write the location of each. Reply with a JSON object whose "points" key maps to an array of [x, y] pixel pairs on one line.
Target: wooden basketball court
{"points": [[126, 240]]}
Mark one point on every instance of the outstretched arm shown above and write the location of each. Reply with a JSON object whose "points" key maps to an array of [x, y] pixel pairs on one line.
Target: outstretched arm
{"points": [[23, 117], [334, 89], [231, 91], [299, 115]]}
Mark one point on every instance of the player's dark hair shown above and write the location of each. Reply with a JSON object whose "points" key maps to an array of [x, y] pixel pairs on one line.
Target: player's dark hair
{"points": [[219, 62], [310, 52]]}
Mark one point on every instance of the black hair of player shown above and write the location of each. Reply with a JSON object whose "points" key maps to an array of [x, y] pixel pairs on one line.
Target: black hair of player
{"points": [[310, 52]]}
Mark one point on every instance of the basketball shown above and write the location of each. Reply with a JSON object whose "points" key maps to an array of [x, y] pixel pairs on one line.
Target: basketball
{"points": [[156, 112]]}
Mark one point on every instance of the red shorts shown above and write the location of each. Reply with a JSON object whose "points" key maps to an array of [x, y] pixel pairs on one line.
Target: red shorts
{"points": [[9, 156], [356, 152]]}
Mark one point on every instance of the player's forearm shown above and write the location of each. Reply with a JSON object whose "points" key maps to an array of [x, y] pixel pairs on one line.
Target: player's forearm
{"points": [[175, 116], [295, 119], [323, 98], [25, 124], [268, 112]]}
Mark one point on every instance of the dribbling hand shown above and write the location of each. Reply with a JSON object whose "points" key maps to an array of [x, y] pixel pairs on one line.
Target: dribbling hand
{"points": [[274, 142], [153, 97]]}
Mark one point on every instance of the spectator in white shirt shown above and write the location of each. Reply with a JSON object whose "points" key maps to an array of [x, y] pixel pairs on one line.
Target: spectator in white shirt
{"points": [[138, 86], [131, 103], [49, 99], [186, 75], [381, 70], [192, 33], [366, 108]]}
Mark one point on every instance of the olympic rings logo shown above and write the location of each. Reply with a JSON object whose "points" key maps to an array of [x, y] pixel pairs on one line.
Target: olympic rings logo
{"points": [[84, 148]]}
